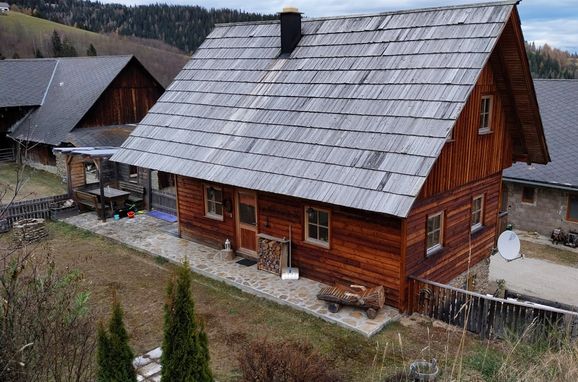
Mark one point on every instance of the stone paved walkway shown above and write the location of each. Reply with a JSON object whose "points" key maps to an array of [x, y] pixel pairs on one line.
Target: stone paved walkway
{"points": [[148, 366], [157, 238]]}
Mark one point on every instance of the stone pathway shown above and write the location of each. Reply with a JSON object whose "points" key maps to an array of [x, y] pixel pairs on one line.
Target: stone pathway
{"points": [[148, 366], [157, 238]]}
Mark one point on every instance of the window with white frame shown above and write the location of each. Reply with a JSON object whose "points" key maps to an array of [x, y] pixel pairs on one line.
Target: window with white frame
{"points": [[435, 227], [317, 226], [477, 212], [213, 202], [486, 114]]}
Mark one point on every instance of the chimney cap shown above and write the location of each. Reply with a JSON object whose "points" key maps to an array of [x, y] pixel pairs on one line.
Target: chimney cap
{"points": [[290, 9]]}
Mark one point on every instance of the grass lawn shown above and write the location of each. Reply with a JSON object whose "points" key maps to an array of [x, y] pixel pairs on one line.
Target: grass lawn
{"points": [[234, 318], [559, 254], [35, 183]]}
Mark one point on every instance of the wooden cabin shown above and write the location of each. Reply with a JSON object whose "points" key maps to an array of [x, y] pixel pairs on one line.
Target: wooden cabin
{"points": [[375, 142], [73, 101]]}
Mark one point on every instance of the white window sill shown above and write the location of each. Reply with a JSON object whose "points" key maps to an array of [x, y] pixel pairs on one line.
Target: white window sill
{"points": [[485, 131], [318, 243], [477, 227], [434, 250], [214, 217]]}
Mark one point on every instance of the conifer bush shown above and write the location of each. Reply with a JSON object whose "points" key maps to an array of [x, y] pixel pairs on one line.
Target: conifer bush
{"points": [[185, 356], [114, 355]]}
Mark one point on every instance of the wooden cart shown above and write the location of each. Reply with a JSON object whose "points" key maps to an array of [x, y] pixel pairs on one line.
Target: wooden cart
{"points": [[370, 299]]}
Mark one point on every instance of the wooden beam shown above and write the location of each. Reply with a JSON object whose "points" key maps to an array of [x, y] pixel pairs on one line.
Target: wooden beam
{"points": [[98, 164]]}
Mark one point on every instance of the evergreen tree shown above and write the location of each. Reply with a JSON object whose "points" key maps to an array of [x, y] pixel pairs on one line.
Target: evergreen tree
{"points": [[56, 44], [114, 354], [185, 356], [68, 50], [15, 55], [38, 53], [91, 51]]}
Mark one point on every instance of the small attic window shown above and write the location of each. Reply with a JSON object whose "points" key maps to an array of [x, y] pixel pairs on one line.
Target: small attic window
{"points": [[486, 114]]}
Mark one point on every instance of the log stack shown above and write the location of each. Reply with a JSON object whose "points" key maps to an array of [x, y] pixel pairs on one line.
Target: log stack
{"points": [[272, 254], [28, 231]]}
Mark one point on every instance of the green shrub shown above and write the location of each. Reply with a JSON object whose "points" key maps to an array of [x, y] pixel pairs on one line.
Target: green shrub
{"points": [[185, 356]]}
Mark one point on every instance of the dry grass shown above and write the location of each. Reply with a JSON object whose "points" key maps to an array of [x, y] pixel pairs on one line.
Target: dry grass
{"points": [[235, 319], [35, 184], [556, 254]]}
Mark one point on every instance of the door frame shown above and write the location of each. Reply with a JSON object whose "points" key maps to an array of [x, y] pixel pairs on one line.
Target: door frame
{"points": [[238, 225]]}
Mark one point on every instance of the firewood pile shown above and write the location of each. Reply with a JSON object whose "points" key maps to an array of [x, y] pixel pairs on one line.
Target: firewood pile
{"points": [[28, 231], [270, 255]]}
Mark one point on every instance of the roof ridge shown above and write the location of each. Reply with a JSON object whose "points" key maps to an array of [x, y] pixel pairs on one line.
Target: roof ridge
{"points": [[385, 13], [556, 79], [66, 58]]}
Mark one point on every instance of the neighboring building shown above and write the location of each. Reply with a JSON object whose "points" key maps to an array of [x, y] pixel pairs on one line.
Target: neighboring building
{"points": [[4, 8], [80, 101], [541, 198], [376, 142]]}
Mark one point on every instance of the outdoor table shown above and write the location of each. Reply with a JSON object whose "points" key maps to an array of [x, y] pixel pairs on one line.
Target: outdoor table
{"points": [[112, 196]]}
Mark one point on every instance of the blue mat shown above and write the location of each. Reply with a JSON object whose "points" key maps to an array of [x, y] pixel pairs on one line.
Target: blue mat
{"points": [[163, 216]]}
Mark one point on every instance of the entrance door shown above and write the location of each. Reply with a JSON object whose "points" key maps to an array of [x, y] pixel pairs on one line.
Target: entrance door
{"points": [[247, 223]]}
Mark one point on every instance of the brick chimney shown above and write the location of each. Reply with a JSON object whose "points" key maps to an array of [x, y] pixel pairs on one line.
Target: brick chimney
{"points": [[290, 29]]}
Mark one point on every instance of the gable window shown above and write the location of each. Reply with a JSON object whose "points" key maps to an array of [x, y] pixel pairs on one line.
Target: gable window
{"points": [[213, 202], [317, 226], [486, 114], [477, 212], [529, 195], [435, 227], [572, 213]]}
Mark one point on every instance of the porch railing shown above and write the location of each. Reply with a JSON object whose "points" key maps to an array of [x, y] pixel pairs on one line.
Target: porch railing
{"points": [[7, 155], [164, 201], [488, 316]]}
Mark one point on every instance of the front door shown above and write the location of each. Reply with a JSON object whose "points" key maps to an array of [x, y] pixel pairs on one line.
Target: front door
{"points": [[247, 223]]}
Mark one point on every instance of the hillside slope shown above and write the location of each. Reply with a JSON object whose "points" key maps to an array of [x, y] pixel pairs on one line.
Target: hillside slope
{"points": [[23, 34]]}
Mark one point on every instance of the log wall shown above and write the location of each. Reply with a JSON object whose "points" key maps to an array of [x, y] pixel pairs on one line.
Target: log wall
{"points": [[364, 247], [127, 99], [452, 259]]}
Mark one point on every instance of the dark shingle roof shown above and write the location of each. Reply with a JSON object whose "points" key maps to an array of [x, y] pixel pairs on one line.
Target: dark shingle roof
{"points": [[75, 87], [24, 82], [356, 116], [112, 136], [558, 100]]}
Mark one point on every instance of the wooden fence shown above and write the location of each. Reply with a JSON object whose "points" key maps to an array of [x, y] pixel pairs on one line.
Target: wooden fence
{"points": [[164, 202], [7, 155], [28, 209], [488, 316]]}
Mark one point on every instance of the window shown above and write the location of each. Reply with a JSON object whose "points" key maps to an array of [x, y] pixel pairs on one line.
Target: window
{"points": [[486, 114], [435, 226], [529, 195], [572, 213], [477, 212], [133, 174], [317, 226], [213, 202]]}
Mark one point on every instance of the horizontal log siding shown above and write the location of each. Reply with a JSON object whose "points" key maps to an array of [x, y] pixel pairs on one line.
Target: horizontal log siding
{"points": [[194, 225], [452, 260], [127, 100], [364, 247], [471, 156]]}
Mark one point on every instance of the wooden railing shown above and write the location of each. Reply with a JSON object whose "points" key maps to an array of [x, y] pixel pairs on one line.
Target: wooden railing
{"points": [[164, 202], [28, 209], [488, 316], [7, 155]]}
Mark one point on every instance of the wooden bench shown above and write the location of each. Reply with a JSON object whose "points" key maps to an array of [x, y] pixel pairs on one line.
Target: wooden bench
{"points": [[136, 192], [84, 199]]}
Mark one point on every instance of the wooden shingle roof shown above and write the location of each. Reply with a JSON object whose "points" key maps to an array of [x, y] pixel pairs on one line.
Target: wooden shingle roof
{"points": [[356, 116]]}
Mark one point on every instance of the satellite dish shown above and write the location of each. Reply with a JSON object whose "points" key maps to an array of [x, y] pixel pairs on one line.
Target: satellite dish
{"points": [[509, 245]]}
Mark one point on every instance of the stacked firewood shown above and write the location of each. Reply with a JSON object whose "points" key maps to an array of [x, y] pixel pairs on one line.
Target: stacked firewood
{"points": [[27, 231], [270, 253]]}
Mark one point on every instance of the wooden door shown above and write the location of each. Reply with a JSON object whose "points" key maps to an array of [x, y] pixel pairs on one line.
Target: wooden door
{"points": [[247, 223]]}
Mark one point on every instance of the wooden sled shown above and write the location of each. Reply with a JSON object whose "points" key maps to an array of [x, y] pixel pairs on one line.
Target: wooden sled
{"points": [[370, 299]]}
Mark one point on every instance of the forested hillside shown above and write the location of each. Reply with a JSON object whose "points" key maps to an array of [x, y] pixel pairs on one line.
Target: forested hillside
{"points": [[184, 27], [548, 62]]}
